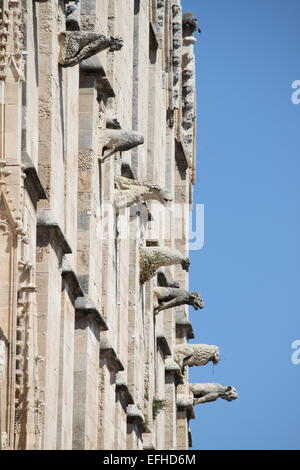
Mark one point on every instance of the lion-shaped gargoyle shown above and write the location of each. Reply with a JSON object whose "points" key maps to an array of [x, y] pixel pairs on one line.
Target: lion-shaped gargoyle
{"points": [[206, 392], [187, 354], [169, 297]]}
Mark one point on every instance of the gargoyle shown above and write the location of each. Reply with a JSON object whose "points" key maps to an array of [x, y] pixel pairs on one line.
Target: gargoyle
{"points": [[119, 140], [169, 297], [189, 24], [130, 192], [206, 392], [153, 257], [187, 354], [76, 46]]}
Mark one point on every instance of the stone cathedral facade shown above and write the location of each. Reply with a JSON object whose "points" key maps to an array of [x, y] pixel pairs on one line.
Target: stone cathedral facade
{"points": [[97, 163]]}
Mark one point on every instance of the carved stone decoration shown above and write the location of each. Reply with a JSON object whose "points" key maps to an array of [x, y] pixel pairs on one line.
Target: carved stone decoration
{"points": [[189, 25], [76, 46], [119, 140], [153, 257], [176, 54], [129, 192], [206, 392], [11, 38], [195, 354], [169, 297], [160, 8]]}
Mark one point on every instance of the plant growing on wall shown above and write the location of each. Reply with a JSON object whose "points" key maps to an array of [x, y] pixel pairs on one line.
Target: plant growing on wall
{"points": [[157, 406]]}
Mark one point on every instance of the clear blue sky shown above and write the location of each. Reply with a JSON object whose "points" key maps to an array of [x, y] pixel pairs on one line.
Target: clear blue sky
{"points": [[249, 180]]}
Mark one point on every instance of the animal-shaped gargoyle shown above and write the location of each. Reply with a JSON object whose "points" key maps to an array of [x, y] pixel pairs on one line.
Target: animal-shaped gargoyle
{"points": [[169, 297], [76, 46], [129, 192], [187, 354], [153, 257], [206, 392]]}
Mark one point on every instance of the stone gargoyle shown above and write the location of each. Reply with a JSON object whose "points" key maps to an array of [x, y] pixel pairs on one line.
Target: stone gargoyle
{"points": [[129, 192], [76, 46], [119, 140], [206, 392], [187, 354], [153, 257], [169, 297]]}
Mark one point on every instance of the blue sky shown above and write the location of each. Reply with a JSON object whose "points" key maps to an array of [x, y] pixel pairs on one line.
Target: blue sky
{"points": [[248, 178]]}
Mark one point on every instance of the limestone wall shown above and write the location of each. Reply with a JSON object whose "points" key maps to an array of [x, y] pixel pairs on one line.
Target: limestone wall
{"points": [[84, 361]]}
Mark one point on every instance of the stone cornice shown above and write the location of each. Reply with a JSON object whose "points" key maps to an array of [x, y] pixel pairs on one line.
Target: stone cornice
{"points": [[107, 351], [86, 306], [162, 344], [32, 182], [69, 275], [46, 220]]}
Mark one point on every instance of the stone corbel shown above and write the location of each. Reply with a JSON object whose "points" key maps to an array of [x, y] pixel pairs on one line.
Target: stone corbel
{"points": [[185, 403], [32, 182], [85, 306], [162, 344], [69, 275], [123, 390], [108, 352], [76, 46], [184, 328], [46, 220], [118, 140], [171, 367]]}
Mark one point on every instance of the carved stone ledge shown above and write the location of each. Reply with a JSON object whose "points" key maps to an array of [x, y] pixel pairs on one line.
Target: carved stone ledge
{"points": [[162, 344], [86, 306], [32, 183], [45, 219], [134, 415], [154, 257], [107, 351], [184, 327], [122, 388], [69, 275], [76, 46], [171, 367]]}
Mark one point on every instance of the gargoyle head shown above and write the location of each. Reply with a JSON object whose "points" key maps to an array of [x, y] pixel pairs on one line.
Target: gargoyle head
{"points": [[196, 301], [116, 43], [215, 357], [185, 263], [161, 195], [230, 394]]}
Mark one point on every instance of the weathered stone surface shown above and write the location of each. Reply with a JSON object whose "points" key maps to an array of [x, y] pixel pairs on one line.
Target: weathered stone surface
{"points": [[76, 46]]}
